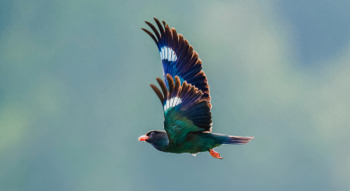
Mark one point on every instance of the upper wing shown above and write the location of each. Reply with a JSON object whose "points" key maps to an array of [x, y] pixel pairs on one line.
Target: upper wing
{"points": [[178, 58], [184, 109]]}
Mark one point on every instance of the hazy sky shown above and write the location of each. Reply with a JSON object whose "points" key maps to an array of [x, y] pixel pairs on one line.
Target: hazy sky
{"points": [[75, 95]]}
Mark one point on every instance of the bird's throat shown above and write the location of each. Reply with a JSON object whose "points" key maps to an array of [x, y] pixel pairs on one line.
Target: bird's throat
{"points": [[161, 144]]}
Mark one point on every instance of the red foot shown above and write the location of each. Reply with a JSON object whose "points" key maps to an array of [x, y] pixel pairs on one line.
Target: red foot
{"points": [[215, 154]]}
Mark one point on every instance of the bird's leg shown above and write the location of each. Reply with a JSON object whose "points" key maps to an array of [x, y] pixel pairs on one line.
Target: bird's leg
{"points": [[215, 154]]}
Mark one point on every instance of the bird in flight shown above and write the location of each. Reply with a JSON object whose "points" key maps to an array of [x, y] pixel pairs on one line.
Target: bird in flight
{"points": [[185, 98]]}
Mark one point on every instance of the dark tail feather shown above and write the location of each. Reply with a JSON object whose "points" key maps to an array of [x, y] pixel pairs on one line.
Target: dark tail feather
{"points": [[238, 140]]}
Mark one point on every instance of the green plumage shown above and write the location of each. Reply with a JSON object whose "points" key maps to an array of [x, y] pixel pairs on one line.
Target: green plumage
{"points": [[197, 142]]}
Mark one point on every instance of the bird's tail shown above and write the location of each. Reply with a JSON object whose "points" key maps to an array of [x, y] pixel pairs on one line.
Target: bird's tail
{"points": [[237, 140]]}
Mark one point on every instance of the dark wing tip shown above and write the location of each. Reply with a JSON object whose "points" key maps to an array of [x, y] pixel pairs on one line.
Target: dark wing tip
{"points": [[170, 84], [157, 91], [177, 80], [163, 87], [169, 76], [151, 35]]}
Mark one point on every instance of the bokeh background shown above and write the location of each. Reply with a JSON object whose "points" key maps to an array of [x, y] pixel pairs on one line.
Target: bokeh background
{"points": [[75, 95]]}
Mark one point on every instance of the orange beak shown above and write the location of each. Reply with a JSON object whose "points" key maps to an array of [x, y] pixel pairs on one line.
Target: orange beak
{"points": [[143, 138]]}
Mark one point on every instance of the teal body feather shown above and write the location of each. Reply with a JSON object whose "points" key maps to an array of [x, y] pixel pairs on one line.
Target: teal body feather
{"points": [[197, 142], [194, 142]]}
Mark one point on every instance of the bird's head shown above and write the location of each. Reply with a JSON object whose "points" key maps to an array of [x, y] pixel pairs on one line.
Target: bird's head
{"points": [[158, 139]]}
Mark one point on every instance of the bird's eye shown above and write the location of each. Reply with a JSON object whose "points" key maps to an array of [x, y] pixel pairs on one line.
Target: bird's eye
{"points": [[152, 133]]}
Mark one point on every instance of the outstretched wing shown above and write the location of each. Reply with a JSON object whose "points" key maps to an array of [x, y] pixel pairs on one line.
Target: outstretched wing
{"points": [[184, 109], [178, 58]]}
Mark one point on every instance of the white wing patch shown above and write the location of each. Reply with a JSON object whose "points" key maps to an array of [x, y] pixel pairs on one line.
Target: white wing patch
{"points": [[171, 103], [167, 53]]}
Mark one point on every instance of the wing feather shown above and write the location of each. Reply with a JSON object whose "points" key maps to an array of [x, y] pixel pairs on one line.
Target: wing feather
{"points": [[178, 57], [184, 110], [159, 94]]}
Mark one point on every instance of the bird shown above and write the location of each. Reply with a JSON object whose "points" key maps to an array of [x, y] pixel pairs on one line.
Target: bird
{"points": [[185, 97]]}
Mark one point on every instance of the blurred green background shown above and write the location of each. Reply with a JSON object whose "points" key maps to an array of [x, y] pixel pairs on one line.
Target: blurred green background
{"points": [[75, 95]]}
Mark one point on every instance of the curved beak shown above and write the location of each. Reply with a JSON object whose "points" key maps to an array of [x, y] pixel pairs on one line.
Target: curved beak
{"points": [[143, 138]]}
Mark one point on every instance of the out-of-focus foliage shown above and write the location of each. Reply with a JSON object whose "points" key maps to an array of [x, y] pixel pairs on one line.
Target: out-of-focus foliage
{"points": [[75, 95]]}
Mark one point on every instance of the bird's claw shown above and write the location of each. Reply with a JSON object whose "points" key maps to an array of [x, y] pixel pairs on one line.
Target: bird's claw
{"points": [[215, 154]]}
